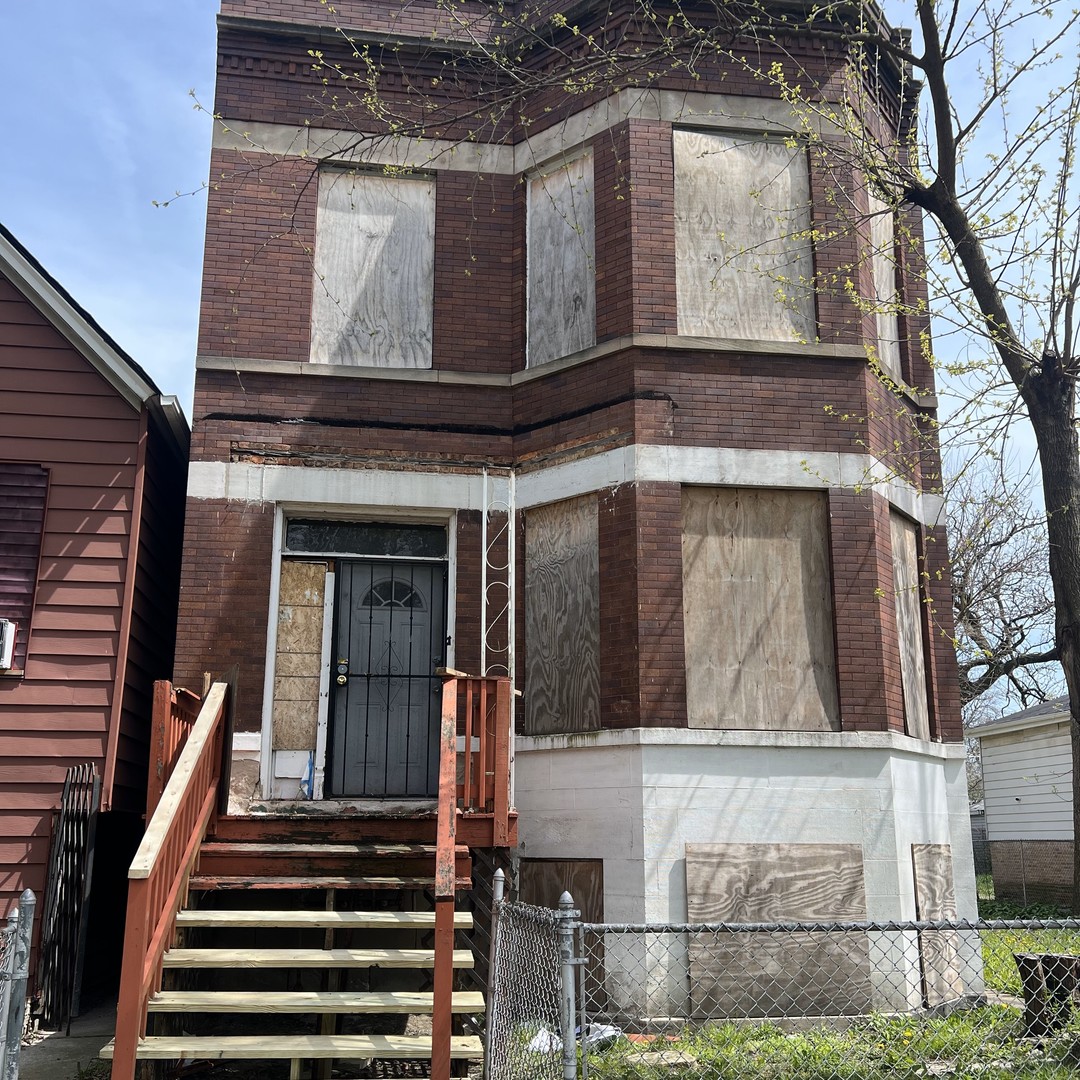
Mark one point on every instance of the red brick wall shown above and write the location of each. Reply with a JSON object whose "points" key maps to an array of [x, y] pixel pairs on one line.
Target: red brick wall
{"points": [[257, 270], [479, 272], [660, 613], [1032, 871], [634, 194], [225, 599], [867, 646]]}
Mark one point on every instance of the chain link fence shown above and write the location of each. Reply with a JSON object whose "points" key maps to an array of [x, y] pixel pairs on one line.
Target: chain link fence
{"points": [[813, 1001], [833, 1002], [1024, 872], [15, 937], [523, 1017]]}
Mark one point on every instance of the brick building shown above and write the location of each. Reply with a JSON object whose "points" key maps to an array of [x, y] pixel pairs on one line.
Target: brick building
{"points": [[647, 326]]}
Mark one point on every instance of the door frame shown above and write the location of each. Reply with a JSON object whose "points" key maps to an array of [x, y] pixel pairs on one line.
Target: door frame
{"points": [[279, 788]]}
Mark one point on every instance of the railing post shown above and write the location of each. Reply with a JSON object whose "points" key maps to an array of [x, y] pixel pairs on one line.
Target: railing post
{"points": [[445, 886], [565, 928], [7, 974], [160, 749], [16, 1016]]}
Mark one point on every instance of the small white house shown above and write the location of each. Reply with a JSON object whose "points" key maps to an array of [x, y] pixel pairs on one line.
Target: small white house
{"points": [[1027, 793]]}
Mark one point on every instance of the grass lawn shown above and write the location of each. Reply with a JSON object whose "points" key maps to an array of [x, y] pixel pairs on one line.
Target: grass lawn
{"points": [[983, 1043]]}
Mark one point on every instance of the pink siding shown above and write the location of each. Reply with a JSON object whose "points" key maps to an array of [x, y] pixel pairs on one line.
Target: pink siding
{"points": [[58, 412]]}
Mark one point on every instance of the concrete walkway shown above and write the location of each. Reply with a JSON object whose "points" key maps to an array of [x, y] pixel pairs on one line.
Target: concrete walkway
{"points": [[56, 1056]]}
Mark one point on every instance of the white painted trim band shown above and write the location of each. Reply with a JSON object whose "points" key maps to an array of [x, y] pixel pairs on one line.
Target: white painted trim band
{"points": [[351, 489], [814, 740], [728, 112]]}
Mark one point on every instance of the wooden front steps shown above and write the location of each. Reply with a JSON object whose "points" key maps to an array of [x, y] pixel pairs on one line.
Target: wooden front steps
{"points": [[227, 864], [309, 958], [269, 968], [473, 829], [374, 1003], [298, 1047], [306, 919]]}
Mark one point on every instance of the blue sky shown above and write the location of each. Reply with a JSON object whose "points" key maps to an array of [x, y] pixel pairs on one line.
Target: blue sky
{"points": [[98, 124]]}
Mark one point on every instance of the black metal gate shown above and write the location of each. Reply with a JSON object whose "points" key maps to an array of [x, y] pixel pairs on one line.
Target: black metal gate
{"points": [[389, 639], [64, 913]]}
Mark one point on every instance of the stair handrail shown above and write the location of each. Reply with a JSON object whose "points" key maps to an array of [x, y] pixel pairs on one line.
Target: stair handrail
{"points": [[159, 873], [445, 883]]}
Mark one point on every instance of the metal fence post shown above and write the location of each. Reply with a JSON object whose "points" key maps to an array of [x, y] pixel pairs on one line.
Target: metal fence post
{"points": [[7, 968], [566, 923], [498, 891], [17, 1002]]}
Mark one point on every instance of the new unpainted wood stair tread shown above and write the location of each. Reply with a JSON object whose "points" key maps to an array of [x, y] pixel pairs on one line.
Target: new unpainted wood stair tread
{"points": [[309, 958], [372, 920], [292, 1047], [314, 881], [313, 1001]]}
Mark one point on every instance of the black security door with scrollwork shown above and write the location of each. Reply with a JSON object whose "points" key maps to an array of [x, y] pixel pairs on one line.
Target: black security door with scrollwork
{"points": [[389, 638]]}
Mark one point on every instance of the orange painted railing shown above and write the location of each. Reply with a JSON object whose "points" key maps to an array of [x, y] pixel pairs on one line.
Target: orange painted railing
{"points": [[483, 730], [474, 777], [158, 878], [175, 712]]}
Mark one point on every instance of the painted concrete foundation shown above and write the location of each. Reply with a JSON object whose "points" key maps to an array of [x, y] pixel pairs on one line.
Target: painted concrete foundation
{"points": [[635, 798]]}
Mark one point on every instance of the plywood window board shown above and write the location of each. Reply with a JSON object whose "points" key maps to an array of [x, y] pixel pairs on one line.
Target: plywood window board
{"points": [[562, 617], [543, 881], [561, 261], [886, 295], [774, 973], [744, 260], [298, 660], [757, 610], [935, 901], [909, 625], [373, 299]]}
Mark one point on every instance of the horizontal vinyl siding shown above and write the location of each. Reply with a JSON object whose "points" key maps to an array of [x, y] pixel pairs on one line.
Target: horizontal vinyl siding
{"points": [[56, 411], [152, 627], [1027, 784]]}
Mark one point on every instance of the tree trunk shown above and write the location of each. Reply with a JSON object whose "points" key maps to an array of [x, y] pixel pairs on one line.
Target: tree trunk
{"points": [[1050, 399]]}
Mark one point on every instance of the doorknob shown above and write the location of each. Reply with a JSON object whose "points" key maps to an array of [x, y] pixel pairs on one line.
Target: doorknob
{"points": [[342, 680]]}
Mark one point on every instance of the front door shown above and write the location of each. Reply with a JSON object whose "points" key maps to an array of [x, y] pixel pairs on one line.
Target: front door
{"points": [[389, 637]]}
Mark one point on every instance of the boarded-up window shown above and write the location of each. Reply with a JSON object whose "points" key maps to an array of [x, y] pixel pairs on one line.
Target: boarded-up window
{"points": [[796, 974], [886, 296], [757, 609], [909, 626], [22, 517], [298, 663], [562, 293], [562, 618], [942, 951], [374, 270], [744, 263], [543, 881]]}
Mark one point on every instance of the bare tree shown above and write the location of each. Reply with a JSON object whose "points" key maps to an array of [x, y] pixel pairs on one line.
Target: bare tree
{"points": [[1003, 603]]}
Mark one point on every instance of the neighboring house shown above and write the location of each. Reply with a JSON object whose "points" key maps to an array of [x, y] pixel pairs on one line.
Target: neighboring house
{"points": [[93, 460], [1027, 794], [519, 401]]}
